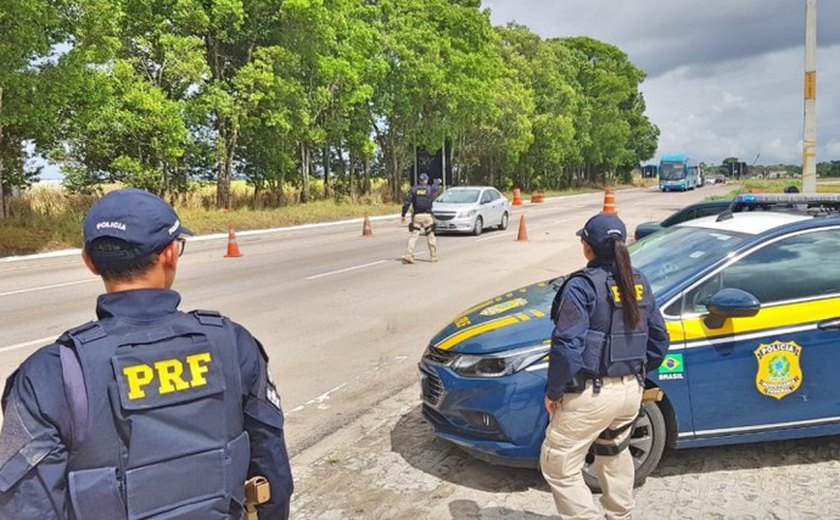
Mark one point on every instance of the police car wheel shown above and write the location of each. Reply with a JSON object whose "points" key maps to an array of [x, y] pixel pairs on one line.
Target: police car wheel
{"points": [[505, 219], [646, 445], [478, 227]]}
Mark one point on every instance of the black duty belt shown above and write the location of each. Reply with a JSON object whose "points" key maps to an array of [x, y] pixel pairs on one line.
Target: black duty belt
{"points": [[578, 383]]}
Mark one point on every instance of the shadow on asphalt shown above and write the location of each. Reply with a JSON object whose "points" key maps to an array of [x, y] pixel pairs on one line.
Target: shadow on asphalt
{"points": [[470, 510], [414, 440]]}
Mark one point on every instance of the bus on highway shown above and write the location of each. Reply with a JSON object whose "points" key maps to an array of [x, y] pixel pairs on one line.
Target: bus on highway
{"points": [[678, 172]]}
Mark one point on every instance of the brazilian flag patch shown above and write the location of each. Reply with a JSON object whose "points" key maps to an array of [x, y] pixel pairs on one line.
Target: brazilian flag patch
{"points": [[672, 367]]}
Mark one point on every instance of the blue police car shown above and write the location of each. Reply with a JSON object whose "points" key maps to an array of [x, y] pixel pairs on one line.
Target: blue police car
{"points": [[751, 301]]}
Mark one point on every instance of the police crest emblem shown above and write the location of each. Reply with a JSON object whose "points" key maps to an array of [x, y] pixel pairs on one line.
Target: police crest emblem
{"points": [[779, 373]]}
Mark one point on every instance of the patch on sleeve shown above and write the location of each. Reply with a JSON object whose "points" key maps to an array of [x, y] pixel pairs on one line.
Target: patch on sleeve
{"points": [[271, 394], [20, 448], [569, 315]]}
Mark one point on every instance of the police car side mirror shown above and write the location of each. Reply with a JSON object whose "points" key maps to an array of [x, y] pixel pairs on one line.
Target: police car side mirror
{"points": [[730, 303]]}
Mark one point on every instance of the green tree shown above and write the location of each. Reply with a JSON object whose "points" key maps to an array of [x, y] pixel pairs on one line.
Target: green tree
{"points": [[45, 52]]}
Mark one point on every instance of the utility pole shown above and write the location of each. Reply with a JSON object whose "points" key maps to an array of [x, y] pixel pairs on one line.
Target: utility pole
{"points": [[809, 138]]}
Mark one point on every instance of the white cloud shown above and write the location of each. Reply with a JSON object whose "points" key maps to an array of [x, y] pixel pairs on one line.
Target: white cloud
{"points": [[724, 78]]}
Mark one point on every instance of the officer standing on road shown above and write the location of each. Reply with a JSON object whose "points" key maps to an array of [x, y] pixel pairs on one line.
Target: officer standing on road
{"points": [[608, 333], [420, 200], [148, 412]]}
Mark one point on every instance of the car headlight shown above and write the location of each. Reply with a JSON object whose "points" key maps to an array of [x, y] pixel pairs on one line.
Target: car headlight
{"points": [[501, 364], [464, 214]]}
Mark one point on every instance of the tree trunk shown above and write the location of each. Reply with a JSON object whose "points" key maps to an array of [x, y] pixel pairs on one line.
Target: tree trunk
{"points": [[366, 175], [229, 137], [342, 167], [3, 210], [327, 171], [351, 174], [304, 172], [396, 168]]}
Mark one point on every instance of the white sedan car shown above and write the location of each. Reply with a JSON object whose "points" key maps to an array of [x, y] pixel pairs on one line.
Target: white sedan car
{"points": [[470, 209]]}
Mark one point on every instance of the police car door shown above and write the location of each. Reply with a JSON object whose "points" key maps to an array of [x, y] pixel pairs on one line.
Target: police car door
{"points": [[775, 370]]}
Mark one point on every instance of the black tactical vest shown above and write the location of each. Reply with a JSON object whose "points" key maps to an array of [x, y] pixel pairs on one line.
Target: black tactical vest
{"points": [[609, 348], [165, 435], [424, 195]]}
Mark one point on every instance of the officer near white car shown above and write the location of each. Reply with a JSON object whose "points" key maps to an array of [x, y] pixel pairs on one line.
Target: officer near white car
{"points": [[608, 333], [420, 200]]}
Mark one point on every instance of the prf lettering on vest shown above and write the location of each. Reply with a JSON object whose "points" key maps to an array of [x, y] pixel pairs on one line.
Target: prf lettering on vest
{"points": [[168, 373], [640, 292]]}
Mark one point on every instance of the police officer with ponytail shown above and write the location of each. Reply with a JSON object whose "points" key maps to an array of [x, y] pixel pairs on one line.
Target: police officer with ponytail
{"points": [[608, 333], [147, 412]]}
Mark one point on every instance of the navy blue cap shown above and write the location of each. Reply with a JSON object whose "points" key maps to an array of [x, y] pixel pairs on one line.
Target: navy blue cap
{"points": [[142, 219], [601, 230]]}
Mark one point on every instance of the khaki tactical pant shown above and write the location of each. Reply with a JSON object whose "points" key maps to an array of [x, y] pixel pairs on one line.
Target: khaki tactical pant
{"points": [[422, 222], [577, 422]]}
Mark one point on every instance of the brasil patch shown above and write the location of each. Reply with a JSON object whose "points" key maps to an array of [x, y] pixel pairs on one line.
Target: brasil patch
{"points": [[779, 373], [672, 367]]}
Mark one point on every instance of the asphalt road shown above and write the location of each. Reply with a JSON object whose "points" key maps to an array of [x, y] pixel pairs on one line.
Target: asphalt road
{"points": [[343, 321]]}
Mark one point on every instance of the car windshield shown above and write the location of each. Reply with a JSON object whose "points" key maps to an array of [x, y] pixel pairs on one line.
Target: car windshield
{"points": [[460, 196], [671, 171], [676, 252]]}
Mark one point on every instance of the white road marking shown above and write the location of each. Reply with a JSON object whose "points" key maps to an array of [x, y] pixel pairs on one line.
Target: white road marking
{"points": [[346, 269], [45, 287], [320, 400], [218, 236], [495, 236], [51, 254], [35, 342]]}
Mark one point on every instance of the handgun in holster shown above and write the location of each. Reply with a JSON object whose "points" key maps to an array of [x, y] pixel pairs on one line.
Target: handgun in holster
{"points": [[257, 491]]}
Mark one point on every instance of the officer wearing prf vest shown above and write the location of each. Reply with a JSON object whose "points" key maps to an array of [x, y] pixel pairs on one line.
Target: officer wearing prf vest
{"points": [[608, 333], [420, 199], [148, 412]]}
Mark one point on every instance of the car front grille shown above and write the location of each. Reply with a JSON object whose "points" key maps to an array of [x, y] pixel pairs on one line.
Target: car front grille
{"points": [[432, 388], [443, 216], [441, 357]]}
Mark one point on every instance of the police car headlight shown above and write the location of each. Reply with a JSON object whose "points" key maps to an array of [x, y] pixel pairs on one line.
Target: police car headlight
{"points": [[501, 364], [465, 214]]}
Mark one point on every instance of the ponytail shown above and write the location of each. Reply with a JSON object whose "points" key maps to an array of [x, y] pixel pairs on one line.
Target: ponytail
{"points": [[627, 285]]}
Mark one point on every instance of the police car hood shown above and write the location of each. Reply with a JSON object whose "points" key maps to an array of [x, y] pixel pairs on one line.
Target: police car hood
{"points": [[515, 319]]}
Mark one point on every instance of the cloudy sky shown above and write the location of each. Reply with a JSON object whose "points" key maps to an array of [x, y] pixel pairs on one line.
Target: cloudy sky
{"points": [[725, 77]]}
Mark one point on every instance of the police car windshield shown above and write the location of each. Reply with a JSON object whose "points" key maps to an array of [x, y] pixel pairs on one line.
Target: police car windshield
{"points": [[460, 196], [676, 252]]}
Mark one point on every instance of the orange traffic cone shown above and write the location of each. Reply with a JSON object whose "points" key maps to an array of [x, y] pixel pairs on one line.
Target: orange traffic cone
{"points": [[233, 246], [523, 231], [366, 229], [609, 201], [517, 197]]}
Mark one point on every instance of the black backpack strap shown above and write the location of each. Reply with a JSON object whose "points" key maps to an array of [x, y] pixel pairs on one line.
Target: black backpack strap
{"points": [[74, 381], [74, 389]]}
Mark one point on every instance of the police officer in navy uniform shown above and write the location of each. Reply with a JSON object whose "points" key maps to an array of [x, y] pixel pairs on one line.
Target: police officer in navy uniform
{"points": [[148, 412], [608, 333], [420, 199]]}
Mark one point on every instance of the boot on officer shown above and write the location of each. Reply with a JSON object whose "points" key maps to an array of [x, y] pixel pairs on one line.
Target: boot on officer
{"points": [[147, 412], [608, 332], [420, 199]]}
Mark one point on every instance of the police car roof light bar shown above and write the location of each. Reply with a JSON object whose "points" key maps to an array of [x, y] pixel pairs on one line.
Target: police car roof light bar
{"points": [[811, 203]]}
